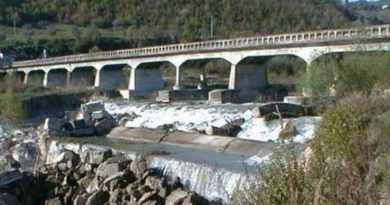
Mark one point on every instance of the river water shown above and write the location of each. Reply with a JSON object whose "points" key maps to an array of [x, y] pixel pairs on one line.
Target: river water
{"points": [[211, 174]]}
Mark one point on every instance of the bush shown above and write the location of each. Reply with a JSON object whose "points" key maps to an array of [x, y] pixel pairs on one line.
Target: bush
{"points": [[12, 111], [350, 73], [349, 161]]}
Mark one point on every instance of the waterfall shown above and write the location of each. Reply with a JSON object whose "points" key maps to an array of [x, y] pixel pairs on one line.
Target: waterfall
{"points": [[211, 182]]}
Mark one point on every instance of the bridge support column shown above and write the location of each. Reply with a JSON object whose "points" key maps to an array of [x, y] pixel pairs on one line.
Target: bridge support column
{"points": [[68, 78], [232, 77], [97, 79], [45, 78], [25, 79], [177, 85]]}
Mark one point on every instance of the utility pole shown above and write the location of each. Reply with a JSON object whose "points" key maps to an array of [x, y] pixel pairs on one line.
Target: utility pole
{"points": [[211, 27]]}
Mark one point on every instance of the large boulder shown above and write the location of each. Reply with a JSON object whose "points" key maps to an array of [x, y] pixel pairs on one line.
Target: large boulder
{"points": [[92, 107], [109, 168], [272, 110], [95, 157], [98, 198], [176, 197], [195, 199], [103, 126]]}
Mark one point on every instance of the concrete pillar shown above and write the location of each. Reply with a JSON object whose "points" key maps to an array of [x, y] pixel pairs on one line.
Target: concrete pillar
{"points": [[202, 80], [132, 79], [177, 85], [68, 77], [232, 78], [97, 78], [25, 80], [45, 78]]}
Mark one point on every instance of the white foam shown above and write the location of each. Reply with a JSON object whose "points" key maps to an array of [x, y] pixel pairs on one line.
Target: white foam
{"points": [[190, 118]]}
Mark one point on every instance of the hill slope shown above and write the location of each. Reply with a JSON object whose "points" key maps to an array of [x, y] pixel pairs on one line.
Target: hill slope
{"points": [[133, 23]]}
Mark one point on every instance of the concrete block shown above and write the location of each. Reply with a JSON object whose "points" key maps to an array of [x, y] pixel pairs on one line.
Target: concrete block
{"points": [[92, 107], [54, 124], [98, 115], [79, 124], [103, 126], [90, 131]]}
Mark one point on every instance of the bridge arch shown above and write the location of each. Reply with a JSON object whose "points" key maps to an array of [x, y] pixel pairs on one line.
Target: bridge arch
{"points": [[147, 77], [35, 77], [83, 76], [57, 77], [206, 73], [114, 76], [251, 71]]}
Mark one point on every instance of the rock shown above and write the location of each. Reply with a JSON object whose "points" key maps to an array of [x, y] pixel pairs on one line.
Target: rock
{"points": [[103, 126], [80, 200], [288, 131], [9, 177], [147, 196], [92, 107], [126, 117], [7, 199], [98, 198], [80, 124], [93, 186], [55, 124], [211, 130], [116, 197], [138, 167], [177, 184], [163, 193], [98, 115], [195, 199], [95, 157], [11, 163], [176, 197], [53, 201], [107, 169], [68, 157], [90, 131], [286, 110], [87, 182]]}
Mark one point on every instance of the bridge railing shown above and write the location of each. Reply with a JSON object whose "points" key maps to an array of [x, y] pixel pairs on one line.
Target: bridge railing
{"points": [[369, 32]]}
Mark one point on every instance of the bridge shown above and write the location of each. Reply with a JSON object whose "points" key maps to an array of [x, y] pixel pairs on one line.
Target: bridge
{"points": [[246, 57]]}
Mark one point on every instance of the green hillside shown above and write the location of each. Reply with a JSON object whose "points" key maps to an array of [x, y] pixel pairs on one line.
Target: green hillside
{"points": [[75, 26]]}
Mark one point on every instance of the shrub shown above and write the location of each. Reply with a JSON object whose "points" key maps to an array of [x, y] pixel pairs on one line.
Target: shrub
{"points": [[349, 161], [12, 111], [350, 73]]}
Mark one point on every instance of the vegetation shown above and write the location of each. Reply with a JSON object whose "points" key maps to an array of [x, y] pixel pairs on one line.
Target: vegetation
{"points": [[348, 161], [11, 107], [77, 26], [349, 73]]}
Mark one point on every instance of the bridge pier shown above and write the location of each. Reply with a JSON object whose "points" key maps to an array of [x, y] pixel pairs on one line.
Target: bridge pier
{"points": [[177, 85]]}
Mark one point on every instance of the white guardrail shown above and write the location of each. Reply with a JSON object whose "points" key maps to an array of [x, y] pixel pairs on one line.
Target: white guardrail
{"points": [[369, 32]]}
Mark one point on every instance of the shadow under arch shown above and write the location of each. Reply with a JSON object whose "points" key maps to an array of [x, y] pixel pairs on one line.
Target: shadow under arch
{"points": [[115, 76], [208, 73], [83, 76], [57, 77]]}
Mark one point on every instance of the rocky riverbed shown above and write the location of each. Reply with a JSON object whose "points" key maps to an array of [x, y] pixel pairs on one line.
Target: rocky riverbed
{"points": [[75, 175]]}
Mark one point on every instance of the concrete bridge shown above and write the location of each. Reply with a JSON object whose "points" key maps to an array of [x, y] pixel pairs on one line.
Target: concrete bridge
{"points": [[245, 55]]}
